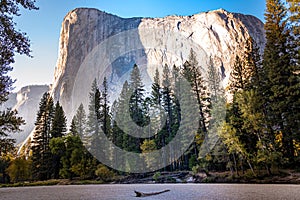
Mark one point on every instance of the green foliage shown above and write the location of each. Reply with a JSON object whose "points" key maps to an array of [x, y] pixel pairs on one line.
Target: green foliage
{"points": [[136, 103], [19, 169], [104, 173], [12, 41], [156, 176], [282, 78], [58, 129], [147, 147], [104, 111], [192, 73], [9, 123], [193, 161], [59, 121], [41, 154], [156, 88], [261, 128], [93, 125], [75, 160]]}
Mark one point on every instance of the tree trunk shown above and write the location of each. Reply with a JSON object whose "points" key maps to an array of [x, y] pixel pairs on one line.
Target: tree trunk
{"points": [[235, 165]]}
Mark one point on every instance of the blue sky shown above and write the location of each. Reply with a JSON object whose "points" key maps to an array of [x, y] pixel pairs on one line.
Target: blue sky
{"points": [[43, 26]]}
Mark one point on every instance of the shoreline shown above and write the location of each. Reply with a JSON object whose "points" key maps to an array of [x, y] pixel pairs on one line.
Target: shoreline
{"points": [[181, 177]]}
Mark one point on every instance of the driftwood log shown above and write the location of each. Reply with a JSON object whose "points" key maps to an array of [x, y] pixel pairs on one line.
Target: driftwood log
{"points": [[143, 194]]}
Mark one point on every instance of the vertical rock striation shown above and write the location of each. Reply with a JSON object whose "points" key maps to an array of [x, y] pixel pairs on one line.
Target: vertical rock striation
{"points": [[94, 44]]}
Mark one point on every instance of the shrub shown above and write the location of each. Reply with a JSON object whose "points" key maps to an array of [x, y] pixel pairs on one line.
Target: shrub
{"points": [[104, 173]]}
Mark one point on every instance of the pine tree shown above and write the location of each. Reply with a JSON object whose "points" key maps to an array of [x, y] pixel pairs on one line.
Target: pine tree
{"points": [[246, 70], [122, 118], [137, 97], [80, 122], [245, 77], [216, 90], [120, 127], [217, 108], [167, 103], [105, 116], [252, 61], [277, 65], [189, 114], [177, 94], [59, 122], [58, 130], [73, 129], [192, 73], [155, 105], [156, 89], [238, 78], [93, 126], [41, 155], [294, 78], [136, 104]]}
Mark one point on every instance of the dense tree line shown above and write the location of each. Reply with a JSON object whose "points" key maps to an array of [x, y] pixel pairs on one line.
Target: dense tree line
{"points": [[257, 128], [262, 127]]}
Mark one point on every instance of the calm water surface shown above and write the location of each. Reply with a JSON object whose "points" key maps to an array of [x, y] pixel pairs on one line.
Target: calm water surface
{"points": [[178, 192]]}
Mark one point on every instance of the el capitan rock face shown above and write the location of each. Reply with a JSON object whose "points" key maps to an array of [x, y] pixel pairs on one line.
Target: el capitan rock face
{"points": [[94, 44]]}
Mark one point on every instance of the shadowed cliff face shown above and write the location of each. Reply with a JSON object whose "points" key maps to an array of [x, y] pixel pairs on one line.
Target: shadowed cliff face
{"points": [[94, 44]]}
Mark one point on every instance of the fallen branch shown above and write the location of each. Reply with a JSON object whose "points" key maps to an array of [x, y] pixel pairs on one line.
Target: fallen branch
{"points": [[143, 194]]}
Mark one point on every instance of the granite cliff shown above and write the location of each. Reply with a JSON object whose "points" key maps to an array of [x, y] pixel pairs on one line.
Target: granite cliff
{"points": [[94, 44]]}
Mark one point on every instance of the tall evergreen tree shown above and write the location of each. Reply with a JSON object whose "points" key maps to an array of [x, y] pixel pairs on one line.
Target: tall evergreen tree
{"points": [[80, 121], [59, 122], [238, 78], [155, 105], [294, 79], [41, 155], [277, 66], [177, 94], [73, 129], [192, 73], [137, 97], [105, 115], [136, 104], [93, 125], [80, 124], [121, 114], [58, 130], [156, 89], [167, 103]]}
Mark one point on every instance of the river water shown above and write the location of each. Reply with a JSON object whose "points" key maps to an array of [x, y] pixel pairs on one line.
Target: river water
{"points": [[177, 191]]}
